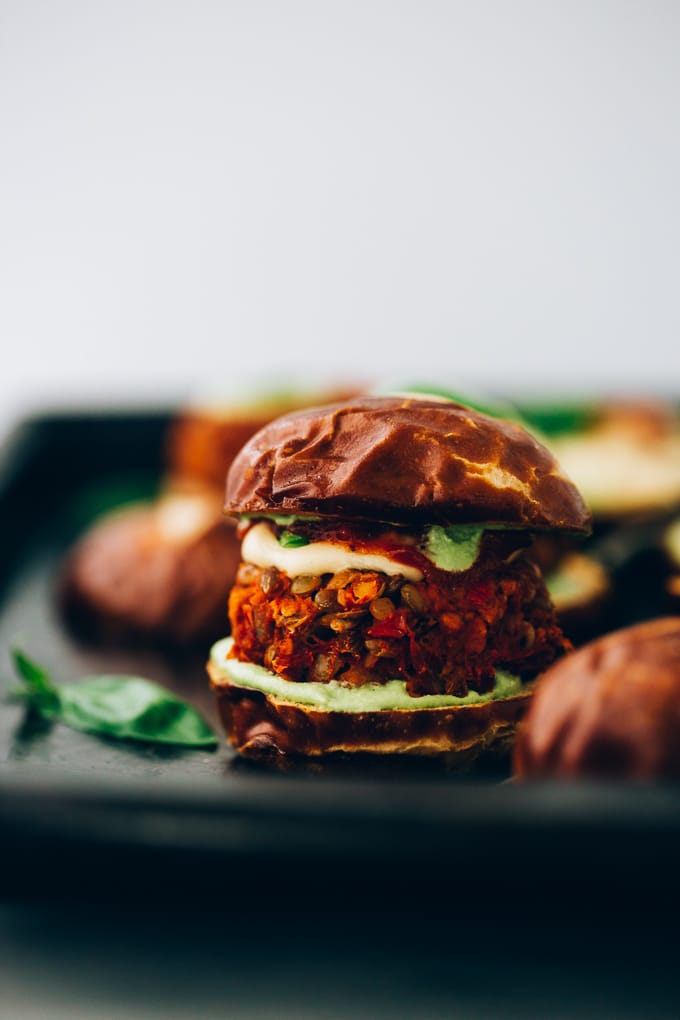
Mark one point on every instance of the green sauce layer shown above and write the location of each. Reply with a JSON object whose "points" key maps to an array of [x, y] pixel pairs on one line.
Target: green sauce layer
{"points": [[335, 697]]}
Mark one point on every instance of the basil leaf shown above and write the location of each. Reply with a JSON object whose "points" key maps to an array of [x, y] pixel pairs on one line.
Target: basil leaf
{"points": [[289, 540], [560, 419], [39, 690], [123, 707], [132, 708], [495, 407]]}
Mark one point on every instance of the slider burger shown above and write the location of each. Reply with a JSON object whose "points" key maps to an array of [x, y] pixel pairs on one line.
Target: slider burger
{"points": [[386, 601]]}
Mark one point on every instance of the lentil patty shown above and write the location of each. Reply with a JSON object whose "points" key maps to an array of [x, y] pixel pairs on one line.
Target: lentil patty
{"points": [[446, 634]]}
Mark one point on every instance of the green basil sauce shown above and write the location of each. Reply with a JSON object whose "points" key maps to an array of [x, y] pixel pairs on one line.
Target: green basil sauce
{"points": [[453, 548], [335, 697]]}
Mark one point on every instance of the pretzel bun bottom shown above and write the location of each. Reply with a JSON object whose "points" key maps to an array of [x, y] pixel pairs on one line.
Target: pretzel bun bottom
{"points": [[261, 726]]}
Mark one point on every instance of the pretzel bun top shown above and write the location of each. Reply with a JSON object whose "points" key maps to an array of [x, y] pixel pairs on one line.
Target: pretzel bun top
{"points": [[407, 461]]}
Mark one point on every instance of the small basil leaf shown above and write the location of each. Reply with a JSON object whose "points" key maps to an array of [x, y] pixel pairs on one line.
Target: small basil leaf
{"points": [[290, 540], [131, 708], [38, 688]]}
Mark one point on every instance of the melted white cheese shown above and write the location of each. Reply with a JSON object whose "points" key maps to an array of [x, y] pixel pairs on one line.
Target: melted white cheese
{"points": [[261, 548]]}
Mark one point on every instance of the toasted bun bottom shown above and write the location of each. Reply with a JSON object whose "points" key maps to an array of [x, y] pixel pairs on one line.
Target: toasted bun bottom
{"points": [[259, 726]]}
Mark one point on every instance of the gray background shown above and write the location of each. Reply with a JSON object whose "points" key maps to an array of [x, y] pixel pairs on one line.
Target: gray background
{"points": [[197, 195]]}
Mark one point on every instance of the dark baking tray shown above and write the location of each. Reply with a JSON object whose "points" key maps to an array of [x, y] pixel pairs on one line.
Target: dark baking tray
{"points": [[82, 817]]}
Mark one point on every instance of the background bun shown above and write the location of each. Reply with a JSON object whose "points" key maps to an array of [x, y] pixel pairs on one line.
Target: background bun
{"points": [[403, 460], [201, 445], [610, 710], [157, 570], [202, 441]]}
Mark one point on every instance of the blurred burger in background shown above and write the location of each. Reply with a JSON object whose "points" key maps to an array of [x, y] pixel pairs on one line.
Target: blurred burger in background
{"points": [[624, 454], [160, 570]]}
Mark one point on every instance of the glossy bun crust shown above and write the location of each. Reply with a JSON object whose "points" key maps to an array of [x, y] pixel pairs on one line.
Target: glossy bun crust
{"points": [[261, 726], [609, 711], [405, 461]]}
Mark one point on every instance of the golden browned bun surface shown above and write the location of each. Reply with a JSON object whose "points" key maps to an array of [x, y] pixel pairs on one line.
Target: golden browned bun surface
{"points": [[259, 726], [160, 569], [609, 711], [405, 461]]}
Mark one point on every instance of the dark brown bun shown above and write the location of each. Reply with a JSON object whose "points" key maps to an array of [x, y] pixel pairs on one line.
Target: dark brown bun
{"points": [[609, 711], [160, 570], [405, 461], [260, 726]]}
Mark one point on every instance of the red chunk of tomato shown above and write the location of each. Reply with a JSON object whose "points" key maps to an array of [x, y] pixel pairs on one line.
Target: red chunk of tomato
{"points": [[393, 626]]}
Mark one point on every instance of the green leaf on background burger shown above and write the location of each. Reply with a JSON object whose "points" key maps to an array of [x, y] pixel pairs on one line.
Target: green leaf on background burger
{"points": [[560, 418], [122, 707], [494, 406]]}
